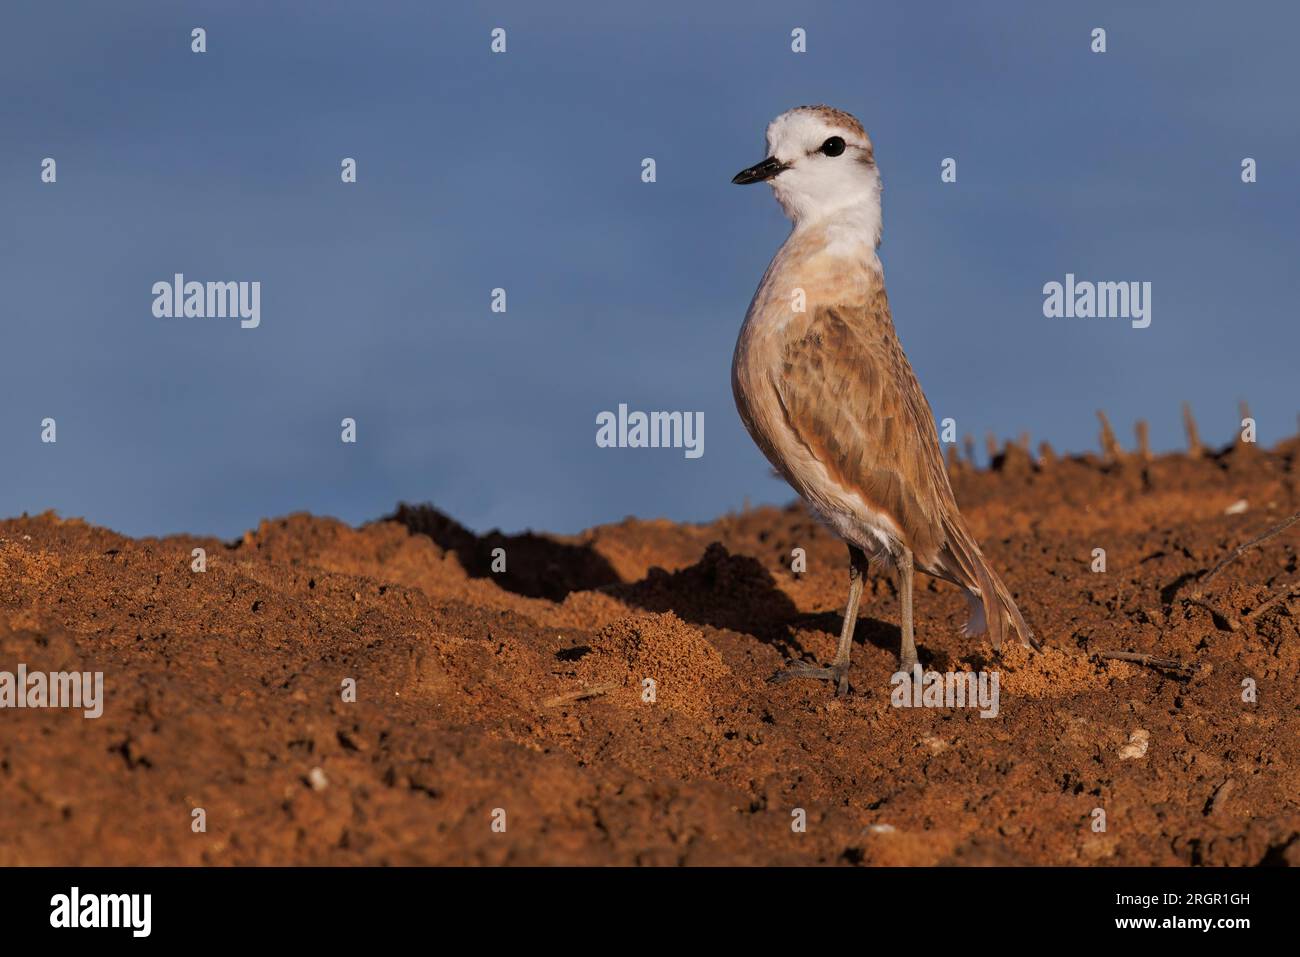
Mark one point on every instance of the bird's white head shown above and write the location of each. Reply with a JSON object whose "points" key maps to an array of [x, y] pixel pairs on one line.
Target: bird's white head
{"points": [[821, 167]]}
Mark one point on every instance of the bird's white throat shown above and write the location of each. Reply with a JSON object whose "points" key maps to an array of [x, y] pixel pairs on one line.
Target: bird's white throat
{"points": [[847, 205]]}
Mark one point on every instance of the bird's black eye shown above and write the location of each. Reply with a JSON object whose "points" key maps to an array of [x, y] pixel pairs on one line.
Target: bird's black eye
{"points": [[833, 146]]}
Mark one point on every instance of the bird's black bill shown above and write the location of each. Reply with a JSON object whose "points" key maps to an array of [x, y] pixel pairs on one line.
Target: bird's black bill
{"points": [[759, 172]]}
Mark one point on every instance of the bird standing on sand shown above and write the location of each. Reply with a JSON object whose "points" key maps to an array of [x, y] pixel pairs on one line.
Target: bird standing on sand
{"points": [[825, 391]]}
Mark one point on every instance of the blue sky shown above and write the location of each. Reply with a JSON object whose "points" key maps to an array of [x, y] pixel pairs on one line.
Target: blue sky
{"points": [[522, 171]]}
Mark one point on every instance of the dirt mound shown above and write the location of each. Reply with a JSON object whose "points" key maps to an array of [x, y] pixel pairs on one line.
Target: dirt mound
{"points": [[660, 659], [400, 692]]}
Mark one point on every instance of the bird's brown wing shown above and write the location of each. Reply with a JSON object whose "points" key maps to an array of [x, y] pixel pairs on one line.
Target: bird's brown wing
{"points": [[849, 394]]}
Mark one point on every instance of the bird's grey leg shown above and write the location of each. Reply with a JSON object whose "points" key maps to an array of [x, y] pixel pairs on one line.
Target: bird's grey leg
{"points": [[857, 572], [839, 668], [907, 652]]}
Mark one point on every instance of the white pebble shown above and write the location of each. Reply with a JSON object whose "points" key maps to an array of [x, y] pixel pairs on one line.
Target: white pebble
{"points": [[1137, 744]]}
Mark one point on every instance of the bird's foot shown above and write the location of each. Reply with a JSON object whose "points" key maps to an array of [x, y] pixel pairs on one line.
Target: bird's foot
{"points": [[838, 673]]}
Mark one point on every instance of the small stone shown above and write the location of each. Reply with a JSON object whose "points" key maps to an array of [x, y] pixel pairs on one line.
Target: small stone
{"points": [[934, 744], [1237, 507], [316, 778], [1137, 745], [1098, 847]]}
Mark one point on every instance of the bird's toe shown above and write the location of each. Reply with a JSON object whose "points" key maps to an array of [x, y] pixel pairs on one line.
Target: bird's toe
{"points": [[837, 673]]}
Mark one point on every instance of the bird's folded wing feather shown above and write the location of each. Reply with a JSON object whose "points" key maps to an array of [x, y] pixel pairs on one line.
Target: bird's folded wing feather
{"points": [[849, 395]]}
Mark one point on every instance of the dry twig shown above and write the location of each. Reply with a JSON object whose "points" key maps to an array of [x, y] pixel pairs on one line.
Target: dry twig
{"points": [[1143, 433], [1194, 448], [1240, 550], [1110, 447], [579, 695], [1282, 595], [1168, 664]]}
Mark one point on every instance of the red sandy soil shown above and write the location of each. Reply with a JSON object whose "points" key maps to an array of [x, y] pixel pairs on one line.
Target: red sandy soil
{"points": [[223, 688]]}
